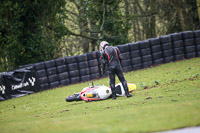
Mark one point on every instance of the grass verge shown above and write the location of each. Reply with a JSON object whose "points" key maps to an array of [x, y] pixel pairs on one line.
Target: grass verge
{"points": [[167, 97]]}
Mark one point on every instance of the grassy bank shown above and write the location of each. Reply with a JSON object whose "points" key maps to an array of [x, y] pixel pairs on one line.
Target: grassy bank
{"points": [[167, 97]]}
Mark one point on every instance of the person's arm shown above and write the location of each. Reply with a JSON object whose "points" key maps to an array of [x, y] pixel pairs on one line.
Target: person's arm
{"points": [[119, 55]]}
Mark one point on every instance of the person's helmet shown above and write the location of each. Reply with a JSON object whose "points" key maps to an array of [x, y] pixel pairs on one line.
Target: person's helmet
{"points": [[102, 46]]}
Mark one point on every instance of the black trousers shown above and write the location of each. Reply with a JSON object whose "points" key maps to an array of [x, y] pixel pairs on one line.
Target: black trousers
{"points": [[117, 70]]}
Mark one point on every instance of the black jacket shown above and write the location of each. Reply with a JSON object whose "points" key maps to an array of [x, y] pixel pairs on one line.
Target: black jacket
{"points": [[111, 57]]}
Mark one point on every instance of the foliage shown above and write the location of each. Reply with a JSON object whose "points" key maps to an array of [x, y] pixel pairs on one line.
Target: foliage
{"points": [[30, 31], [170, 100], [34, 31]]}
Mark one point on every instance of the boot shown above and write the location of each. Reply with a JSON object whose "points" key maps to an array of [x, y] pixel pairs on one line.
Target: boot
{"points": [[128, 94], [114, 95], [112, 86], [126, 89]]}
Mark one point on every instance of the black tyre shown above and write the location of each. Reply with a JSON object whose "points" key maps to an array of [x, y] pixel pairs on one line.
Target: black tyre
{"points": [[188, 42], [44, 87], [63, 76], [39, 66], [71, 59], [166, 46], [176, 37], [72, 67], [123, 48], [198, 54], [178, 44], [64, 82], [51, 71], [197, 41], [42, 80], [190, 49], [198, 48], [54, 84], [158, 61], [137, 66], [154, 41], [187, 34], [52, 78], [179, 51], [62, 69], [147, 64], [81, 58], [135, 53], [156, 49], [93, 63], [168, 59], [92, 55], [145, 51], [126, 62], [144, 44], [74, 73], [94, 70], [50, 63], [98, 54], [136, 60], [85, 78], [95, 76], [41, 73], [156, 56], [168, 53], [84, 72], [146, 58], [83, 65], [165, 39], [75, 80], [60, 61], [179, 57], [127, 69], [134, 46], [196, 33], [190, 55], [125, 55]]}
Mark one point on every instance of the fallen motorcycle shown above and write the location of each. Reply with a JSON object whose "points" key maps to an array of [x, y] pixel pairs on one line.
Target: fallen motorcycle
{"points": [[99, 92]]}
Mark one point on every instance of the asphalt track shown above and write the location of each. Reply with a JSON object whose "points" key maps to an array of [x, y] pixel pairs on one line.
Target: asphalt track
{"points": [[184, 130]]}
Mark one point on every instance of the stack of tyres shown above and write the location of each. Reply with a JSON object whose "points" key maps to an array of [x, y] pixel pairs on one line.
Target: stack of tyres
{"points": [[84, 70], [126, 58], [167, 48], [178, 46], [189, 46], [99, 62], [72, 67], [136, 60], [63, 75], [52, 73], [41, 75], [93, 65], [197, 42], [145, 52], [156, 51]]}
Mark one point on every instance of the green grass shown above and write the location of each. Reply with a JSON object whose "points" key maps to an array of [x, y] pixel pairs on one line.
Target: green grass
{"points": [[167, 97]]}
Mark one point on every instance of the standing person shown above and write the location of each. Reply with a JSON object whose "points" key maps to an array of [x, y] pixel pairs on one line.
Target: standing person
{"points": [[111, 57]]}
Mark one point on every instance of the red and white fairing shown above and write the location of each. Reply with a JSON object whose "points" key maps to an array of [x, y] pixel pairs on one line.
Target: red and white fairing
{"points": [[95, 93]]}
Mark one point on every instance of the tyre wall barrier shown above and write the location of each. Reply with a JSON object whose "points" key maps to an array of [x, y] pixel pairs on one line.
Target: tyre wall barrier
{"points": [[18, 83], [136, 55]]}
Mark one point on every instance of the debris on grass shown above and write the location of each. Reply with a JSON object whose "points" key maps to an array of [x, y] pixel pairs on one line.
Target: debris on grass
{"points": [[149, 98], [64, 110]]}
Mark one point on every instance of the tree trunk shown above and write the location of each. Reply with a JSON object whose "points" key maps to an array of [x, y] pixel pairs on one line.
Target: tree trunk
{"points": [[183, 10]]}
